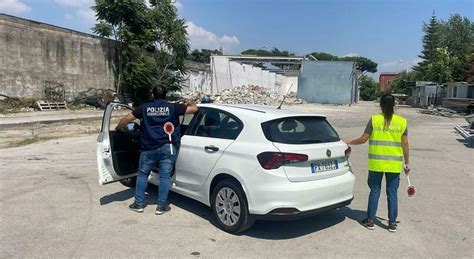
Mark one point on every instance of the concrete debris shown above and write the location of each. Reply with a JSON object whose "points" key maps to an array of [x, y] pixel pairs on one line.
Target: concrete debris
{"points": [[96, 97], [470, 120], [15, 105], [251, 94], [462, 105], [467, 131], [440, 111]]}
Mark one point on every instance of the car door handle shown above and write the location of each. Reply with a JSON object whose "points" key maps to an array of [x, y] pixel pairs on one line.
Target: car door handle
{"points": [[211, 148]]}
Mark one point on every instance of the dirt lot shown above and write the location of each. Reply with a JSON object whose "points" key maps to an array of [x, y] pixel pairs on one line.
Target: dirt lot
{"points": [[52, 205]]}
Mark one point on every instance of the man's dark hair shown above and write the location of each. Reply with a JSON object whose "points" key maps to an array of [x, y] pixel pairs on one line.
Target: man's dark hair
{"points": [[159, 93], [387, 102]]}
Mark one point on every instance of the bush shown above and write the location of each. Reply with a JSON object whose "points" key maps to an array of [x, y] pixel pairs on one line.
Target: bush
{"points": [[13, 105]]}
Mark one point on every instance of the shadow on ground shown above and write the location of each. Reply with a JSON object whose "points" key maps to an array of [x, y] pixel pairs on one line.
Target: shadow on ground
{"points": [[118, 196], [272, 230], [467, 143]]}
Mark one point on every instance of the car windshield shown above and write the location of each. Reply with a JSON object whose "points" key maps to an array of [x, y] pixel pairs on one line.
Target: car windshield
{"points": [[300, 130]]}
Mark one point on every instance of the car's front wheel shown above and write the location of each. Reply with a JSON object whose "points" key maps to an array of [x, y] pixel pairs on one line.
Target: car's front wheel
{"points": [[230, 208]]}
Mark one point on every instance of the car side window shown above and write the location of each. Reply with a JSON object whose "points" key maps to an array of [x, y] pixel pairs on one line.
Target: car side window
{"points": [[214, 123], [185, 121], [191, 128]]}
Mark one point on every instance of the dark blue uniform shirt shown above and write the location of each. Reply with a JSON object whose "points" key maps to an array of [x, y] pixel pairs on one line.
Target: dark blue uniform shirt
{"points": [[153, 116]]}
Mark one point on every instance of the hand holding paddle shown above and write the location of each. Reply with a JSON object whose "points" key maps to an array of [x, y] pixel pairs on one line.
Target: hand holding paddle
{"points": [[169, 129], [406, 168]]}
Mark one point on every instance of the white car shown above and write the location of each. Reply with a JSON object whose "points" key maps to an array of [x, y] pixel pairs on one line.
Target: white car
{"points": [[246, 162]]}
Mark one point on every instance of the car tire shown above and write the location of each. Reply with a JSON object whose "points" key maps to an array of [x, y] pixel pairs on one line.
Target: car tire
{"points": [[226, 196], [129, 182]]}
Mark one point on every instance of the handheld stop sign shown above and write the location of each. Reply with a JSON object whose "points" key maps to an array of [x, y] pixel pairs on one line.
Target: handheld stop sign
{"points": [[410, 189], [169, 129]]}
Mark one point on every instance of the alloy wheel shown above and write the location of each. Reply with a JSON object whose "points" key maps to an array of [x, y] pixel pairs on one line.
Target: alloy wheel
{"points": [[227, 205]]}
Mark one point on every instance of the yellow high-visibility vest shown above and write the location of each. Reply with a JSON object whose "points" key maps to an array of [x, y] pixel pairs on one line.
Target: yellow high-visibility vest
{"points": [[385, 144]]}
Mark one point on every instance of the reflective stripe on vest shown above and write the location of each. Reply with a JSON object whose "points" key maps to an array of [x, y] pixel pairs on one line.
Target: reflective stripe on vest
{"points": [[385, 147], [385, 143]]}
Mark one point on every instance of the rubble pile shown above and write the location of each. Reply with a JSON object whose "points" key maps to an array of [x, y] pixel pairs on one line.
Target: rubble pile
{"points": [[194, 96], [14, 105], [98, 98], [440, 111], [251, 94]]}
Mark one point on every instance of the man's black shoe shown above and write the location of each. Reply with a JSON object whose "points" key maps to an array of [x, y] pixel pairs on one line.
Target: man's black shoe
{"points": [[136, 207], [392, 227], [368, 223], [160, 211]]}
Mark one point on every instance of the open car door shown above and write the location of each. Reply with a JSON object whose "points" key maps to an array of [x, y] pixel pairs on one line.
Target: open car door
{"points": [[118, 152]]}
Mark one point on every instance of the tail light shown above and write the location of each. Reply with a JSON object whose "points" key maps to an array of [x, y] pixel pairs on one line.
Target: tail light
{"points": [[273, 160], [347, 152]]}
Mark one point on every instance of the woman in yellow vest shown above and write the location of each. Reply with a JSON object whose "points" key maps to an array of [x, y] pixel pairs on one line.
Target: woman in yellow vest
{"points": [[388, 155]]}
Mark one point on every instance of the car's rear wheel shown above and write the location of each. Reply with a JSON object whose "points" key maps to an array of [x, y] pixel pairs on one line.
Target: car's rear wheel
{"points": [[230, 208], [129, 182]]}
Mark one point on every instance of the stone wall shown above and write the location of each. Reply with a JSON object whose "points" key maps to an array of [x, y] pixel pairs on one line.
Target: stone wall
{"points": [[34, 55]]}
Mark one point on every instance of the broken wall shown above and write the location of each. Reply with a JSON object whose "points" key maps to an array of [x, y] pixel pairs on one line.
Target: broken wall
{"points": [[34, 55], [197, 81], [198, 77], [227, 74]]}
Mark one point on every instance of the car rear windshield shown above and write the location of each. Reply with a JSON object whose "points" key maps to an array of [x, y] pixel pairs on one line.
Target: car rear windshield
{"points": [[300, 130]]}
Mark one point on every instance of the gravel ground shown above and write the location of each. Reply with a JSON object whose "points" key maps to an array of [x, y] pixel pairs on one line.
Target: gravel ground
{"points": [[52, 206]]}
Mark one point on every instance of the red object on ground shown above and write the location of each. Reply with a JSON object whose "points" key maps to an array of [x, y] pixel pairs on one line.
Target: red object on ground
{"points": [[410, 189], [168, 128]]}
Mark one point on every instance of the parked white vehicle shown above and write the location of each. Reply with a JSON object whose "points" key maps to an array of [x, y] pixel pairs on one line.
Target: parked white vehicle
{"points": [[246, 162]]}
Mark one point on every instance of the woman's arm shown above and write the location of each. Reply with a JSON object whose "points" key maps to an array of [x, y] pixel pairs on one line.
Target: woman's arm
{"points": [[406, 154], [361, 140]]}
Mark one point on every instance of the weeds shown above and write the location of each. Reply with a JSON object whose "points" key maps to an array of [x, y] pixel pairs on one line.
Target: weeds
{"points": [[15, 105], [28, 141]]}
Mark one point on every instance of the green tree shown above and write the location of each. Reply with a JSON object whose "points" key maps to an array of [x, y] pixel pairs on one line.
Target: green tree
{"points": [[324, 56], [369, 88], [401, 84], [431, 41], [273, 53], [203, 55], [152, 43], [440, 69], [470, 71], [363, 64], [458, 38]]}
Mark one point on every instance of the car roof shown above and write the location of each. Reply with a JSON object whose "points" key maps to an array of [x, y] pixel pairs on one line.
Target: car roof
{"points": [[262, 112]]}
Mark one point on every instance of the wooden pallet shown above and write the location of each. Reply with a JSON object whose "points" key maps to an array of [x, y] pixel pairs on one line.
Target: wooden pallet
{"points": [[48, 106]]}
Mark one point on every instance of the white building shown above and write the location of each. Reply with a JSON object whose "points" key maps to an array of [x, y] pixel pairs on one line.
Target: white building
{"points": [[235, 71]]}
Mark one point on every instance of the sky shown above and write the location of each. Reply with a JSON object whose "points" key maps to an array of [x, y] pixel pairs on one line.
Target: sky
{"points": [[388, 32]]}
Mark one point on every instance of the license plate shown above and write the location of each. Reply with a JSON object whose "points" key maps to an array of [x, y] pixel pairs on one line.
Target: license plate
{"points": [[324, 166]]}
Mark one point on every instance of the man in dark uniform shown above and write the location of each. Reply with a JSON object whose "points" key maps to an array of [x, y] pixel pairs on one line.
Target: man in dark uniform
{"points": [[156, 147]]}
